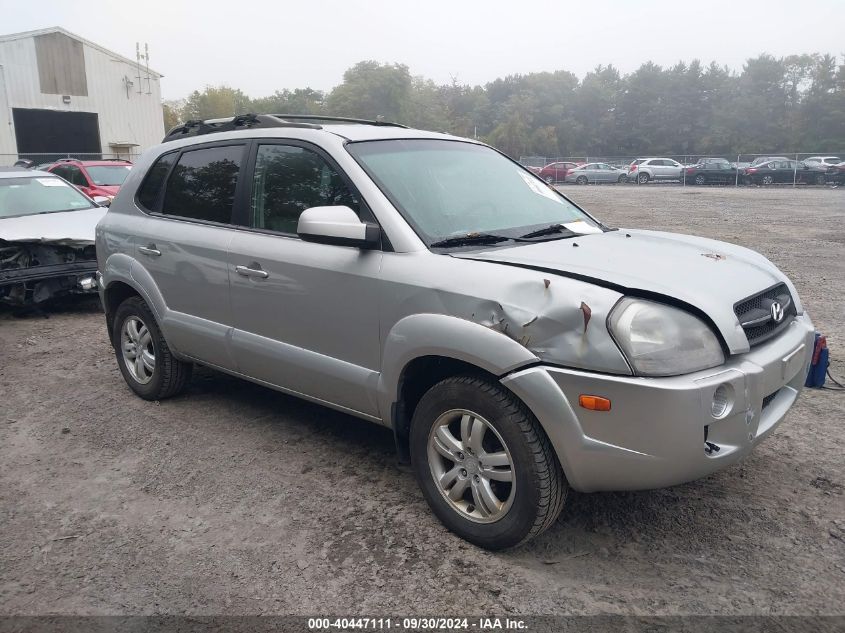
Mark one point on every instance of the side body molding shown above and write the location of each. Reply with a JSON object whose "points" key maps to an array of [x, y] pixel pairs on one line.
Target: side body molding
{"points": [[421, 335]]}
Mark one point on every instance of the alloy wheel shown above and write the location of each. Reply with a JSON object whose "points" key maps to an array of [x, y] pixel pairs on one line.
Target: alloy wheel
{"points": [[136, 344], [471, 466]]}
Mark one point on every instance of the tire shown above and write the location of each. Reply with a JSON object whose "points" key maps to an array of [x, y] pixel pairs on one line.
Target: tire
{"points": [[549, 180], [643, 178], [622, 179], [525, 506], [168, 375], [820, 179], [767, 180], [581, 180], [700, 180]]}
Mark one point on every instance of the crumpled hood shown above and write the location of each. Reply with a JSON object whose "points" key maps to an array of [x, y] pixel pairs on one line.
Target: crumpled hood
{"points": [[707, 274], [68, 228]]}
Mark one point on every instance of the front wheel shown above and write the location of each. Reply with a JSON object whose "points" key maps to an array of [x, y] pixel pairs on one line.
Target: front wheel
{"points": [[622, 179], [484, 464], [146, 362]]}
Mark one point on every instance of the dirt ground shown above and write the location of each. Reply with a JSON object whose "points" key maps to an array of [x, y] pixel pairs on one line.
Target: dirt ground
{"points": [[236, 499]]}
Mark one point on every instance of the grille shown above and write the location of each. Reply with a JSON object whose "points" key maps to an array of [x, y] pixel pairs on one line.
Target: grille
{"points": [[768, 399], [755, 314]]}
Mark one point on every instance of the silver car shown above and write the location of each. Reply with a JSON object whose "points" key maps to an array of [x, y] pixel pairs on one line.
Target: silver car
{"points": [[516, 345], [644, 170], [595, 173]]}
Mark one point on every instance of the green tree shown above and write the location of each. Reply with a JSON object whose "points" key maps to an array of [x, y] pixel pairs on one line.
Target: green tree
{"points": [[371, 90], [215, 102]]}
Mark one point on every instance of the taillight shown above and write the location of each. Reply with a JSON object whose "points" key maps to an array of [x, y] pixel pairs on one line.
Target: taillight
{"points": [[751, 170], [634, 167]]}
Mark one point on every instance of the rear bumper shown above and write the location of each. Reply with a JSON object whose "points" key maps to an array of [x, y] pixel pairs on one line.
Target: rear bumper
{"points": [[654, 434]]}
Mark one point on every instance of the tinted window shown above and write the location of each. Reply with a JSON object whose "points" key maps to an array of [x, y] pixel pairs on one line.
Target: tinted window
{"points": [[148, 193], [76, 177], [202, 184], [289, 180], [108, 175]]}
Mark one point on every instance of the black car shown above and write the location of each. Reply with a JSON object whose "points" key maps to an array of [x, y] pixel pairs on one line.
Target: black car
{"points": [[711, 170], [784, 171]]}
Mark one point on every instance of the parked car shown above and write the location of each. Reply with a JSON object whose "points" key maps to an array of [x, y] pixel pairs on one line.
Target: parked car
{"points": [[93, 177], [556, 172], [516, 346], [709, 171], [644, 170], [823, 161], [46, 238], [784, 171], [596, 172]]}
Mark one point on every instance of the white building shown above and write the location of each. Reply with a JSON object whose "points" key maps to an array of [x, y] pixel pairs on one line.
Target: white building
{"points": [[61, 94]]}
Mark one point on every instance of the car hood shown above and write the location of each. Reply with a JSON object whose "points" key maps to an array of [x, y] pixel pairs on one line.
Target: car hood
{"points": [[709, 275], [68, 228]]}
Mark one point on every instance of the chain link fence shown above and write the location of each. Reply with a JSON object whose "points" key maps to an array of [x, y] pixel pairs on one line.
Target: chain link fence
{"points": [[45, 160], [784, 168]]}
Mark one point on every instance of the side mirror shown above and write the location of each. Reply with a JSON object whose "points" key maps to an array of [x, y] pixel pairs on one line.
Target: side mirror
{"points": [[337, 225], [102, 201]]}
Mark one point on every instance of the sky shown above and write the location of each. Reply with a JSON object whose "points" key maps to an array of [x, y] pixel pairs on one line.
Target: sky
{"points": [[261, 47]]}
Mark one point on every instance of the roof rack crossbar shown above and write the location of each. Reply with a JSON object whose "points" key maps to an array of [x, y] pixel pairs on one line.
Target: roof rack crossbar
{"points": [[196, 127], [342, 119]]}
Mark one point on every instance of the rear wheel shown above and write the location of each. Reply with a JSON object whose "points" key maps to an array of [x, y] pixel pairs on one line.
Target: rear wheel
{"points": [[700, 179], [642, 178], [581, 180], [768, 180], [145, 360], [550, 180], [820, 179], [484, 464]]}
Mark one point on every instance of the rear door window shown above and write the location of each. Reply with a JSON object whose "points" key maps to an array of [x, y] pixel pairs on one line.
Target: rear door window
{"points": [[202, 184]]}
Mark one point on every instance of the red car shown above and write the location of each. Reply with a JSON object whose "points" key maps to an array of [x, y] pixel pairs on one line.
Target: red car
{"points": [[556, 172], [93, 177]]}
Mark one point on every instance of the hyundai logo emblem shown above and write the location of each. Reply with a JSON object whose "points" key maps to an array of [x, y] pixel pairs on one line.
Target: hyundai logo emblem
{"points": [[777, 312]]}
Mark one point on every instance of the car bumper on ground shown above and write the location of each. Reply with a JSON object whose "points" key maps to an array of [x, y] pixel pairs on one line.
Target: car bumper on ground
{"points": [[654, 434]]}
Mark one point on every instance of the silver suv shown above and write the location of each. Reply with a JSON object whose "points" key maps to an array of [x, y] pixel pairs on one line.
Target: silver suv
{"points": [[516, 346], [643, 170]]}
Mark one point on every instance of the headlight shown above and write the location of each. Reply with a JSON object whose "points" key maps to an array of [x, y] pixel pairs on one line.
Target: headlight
{"points": [[659, 340]]}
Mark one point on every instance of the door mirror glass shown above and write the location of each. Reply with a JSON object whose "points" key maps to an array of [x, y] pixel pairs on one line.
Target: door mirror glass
{"points": [[336, 225]]}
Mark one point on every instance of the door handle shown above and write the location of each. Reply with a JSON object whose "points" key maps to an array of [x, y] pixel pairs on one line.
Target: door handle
{"points": [[150, 250], [252, 272]]}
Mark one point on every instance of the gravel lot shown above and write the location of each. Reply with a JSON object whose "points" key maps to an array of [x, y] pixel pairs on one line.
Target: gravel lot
{"points": [[236, 499]]}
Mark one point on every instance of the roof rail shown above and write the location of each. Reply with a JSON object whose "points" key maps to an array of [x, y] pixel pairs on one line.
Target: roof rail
{"points": [[340, 119], [193, 128]]}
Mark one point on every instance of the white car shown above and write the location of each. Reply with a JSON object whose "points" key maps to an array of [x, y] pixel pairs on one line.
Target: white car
{"points": [[823, 161], [643, 170]]}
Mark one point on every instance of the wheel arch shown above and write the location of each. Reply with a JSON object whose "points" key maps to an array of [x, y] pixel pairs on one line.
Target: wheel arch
{"points": [[423, 349]]}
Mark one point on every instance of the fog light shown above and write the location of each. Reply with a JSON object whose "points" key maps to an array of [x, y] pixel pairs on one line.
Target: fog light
{"points": [[87, 283], [722, 400]]}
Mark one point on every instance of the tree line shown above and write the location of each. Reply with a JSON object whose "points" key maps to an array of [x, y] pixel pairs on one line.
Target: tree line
{"points": [[789, 104]]}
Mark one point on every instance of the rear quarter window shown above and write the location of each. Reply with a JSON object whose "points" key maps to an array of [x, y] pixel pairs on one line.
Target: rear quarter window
{"points": [[148, 193]]}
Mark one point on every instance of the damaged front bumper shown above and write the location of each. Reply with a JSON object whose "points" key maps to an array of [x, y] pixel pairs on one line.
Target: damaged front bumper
{"points": [[666, 431], [34, 274]]}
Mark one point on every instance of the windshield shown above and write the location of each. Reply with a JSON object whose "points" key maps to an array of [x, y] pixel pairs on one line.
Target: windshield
{"points": [[108, 175], [45, 194], [451, 188]]}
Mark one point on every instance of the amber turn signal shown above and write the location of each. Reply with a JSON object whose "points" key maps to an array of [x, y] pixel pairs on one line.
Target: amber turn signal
{"points": [[594, 403]]}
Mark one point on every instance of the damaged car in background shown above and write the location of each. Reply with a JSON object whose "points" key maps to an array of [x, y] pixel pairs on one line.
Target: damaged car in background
{"points": [[516, 345], [46, 238]]}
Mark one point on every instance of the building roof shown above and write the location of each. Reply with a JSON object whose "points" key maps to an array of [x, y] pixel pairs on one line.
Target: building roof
{"points": [[58, 29]]}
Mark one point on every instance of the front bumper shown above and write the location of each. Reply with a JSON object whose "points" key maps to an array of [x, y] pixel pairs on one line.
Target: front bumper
{"points": [[654, 434]]}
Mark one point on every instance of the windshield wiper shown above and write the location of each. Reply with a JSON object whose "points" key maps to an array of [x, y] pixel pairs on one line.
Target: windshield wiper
{"points": [[470, 238], [550, 230]]}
